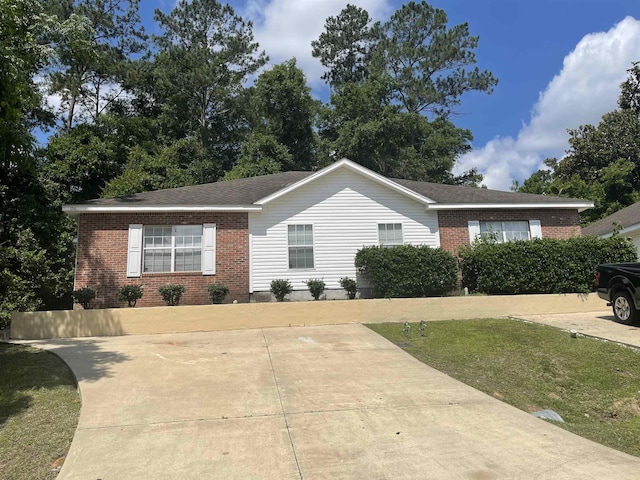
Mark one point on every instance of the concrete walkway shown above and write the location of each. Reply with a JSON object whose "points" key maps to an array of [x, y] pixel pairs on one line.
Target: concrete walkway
{"points": [[320, 402], [599, 324]]}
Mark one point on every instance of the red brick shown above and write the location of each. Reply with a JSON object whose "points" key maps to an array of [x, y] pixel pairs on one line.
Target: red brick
{"points": [[102, 257], [454, 227]]}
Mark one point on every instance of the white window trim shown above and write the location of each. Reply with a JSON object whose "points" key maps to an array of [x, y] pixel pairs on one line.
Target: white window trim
{"points": [[312, 246], [535, 228], [381, 244], [136, 249]]}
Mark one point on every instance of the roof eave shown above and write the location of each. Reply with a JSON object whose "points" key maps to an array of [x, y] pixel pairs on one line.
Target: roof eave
{"points": [[625, 231], [74, 210], [580, 206]]}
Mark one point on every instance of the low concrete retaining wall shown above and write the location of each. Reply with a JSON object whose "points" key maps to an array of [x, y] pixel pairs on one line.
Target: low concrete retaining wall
{"points": [[131, 321]]}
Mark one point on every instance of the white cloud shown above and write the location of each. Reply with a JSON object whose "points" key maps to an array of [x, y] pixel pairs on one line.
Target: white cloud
{"points": [[285, 28], [586, 88]]}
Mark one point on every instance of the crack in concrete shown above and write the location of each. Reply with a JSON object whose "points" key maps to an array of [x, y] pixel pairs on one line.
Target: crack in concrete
{"points": [[284, 414]]}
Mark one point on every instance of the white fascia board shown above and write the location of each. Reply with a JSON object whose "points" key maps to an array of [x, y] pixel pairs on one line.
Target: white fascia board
{"points": [[580, 206], [344, 163], [84, 208], [625, 231]]}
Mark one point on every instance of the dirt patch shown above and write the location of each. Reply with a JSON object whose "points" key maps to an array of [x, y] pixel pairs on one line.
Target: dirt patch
{"points": [[627, 407]]}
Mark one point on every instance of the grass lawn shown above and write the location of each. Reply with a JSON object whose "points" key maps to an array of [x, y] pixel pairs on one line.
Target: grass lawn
{"points": [[593, 385], [39, 409]]}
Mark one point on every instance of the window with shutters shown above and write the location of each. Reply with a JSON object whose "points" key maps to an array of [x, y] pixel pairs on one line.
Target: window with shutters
{"points": [[169, 248], [505, 231]]}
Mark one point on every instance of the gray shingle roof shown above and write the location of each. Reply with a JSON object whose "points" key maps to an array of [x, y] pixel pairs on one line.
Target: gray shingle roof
{"points": [[246, 191], [456, 194], [627, 217]]}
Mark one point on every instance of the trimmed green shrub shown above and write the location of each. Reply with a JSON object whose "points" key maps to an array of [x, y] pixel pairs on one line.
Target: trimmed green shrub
{"points": [[130, 293], [83, 296], [350, 285], [316, 287], [217, 292], [408, 270], [280, 289], [172, 293], [543, 265]]}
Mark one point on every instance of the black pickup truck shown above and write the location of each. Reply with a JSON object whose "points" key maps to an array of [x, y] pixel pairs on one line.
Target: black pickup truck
{"points": [[619, 285]]}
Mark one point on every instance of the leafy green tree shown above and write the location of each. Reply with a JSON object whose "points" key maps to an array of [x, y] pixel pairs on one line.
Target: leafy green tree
{"points": [[261, 155], [206, 52], [283, 108], [184, 162], [630, 90], [346, 46], [394, 86], [364, 126], [94, 58], [428, 61], [35, 246]]}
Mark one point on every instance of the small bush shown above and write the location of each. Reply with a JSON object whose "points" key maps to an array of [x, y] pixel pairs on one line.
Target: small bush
{"points": [[172, 293], [543, 265], [316, 287], [408, 270], [350, 285], [217, 292], [280, 289], [83, 296], [131, 294]]}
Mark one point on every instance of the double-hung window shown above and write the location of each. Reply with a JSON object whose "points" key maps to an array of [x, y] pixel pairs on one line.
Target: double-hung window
{"points": [[172, 248], [300, 239], [389, 234]]}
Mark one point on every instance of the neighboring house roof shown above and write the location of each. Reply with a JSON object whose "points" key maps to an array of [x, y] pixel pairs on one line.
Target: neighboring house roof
{"points": [[628, 218], [249, 194]]}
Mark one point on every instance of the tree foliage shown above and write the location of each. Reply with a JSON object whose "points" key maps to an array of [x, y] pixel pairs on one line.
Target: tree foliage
{"points": [[93, 59], [428, 61], [346, 46], [386, 79], [36, 254], [603, 161], [206, 53]]}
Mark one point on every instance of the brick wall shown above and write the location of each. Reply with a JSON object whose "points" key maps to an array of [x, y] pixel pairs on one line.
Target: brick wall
{"points": [[102, 257], [454, 228]]}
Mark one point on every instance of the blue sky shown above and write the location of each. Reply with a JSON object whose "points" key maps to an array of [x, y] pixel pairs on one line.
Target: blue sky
{"points": [[560, 63]]}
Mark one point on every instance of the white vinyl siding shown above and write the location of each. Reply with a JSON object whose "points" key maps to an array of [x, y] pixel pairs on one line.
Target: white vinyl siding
{"points": [[345, 210], [389, 234]]}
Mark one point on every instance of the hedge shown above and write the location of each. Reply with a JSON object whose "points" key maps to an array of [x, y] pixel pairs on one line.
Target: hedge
{"points": [[408, 270], [540, 265]]}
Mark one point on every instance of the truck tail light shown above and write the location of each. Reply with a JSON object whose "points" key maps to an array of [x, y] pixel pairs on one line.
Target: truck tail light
{"points": [[597, 279]]}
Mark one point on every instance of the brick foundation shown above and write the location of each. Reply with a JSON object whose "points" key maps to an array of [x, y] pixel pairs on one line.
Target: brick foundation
{"points": [[454, 227], [102, 258]]}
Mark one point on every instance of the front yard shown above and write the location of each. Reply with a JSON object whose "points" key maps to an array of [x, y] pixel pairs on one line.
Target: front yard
{"points": [[593, 385], [39, 409]]}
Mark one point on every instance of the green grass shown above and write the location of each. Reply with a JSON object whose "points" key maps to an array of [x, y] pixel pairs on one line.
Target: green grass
{"points": [[593, 385], [39, 409]]}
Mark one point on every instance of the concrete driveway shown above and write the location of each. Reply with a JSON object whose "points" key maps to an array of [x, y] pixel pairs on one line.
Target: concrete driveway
{"points": [[323, 402], [599, 324]]}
